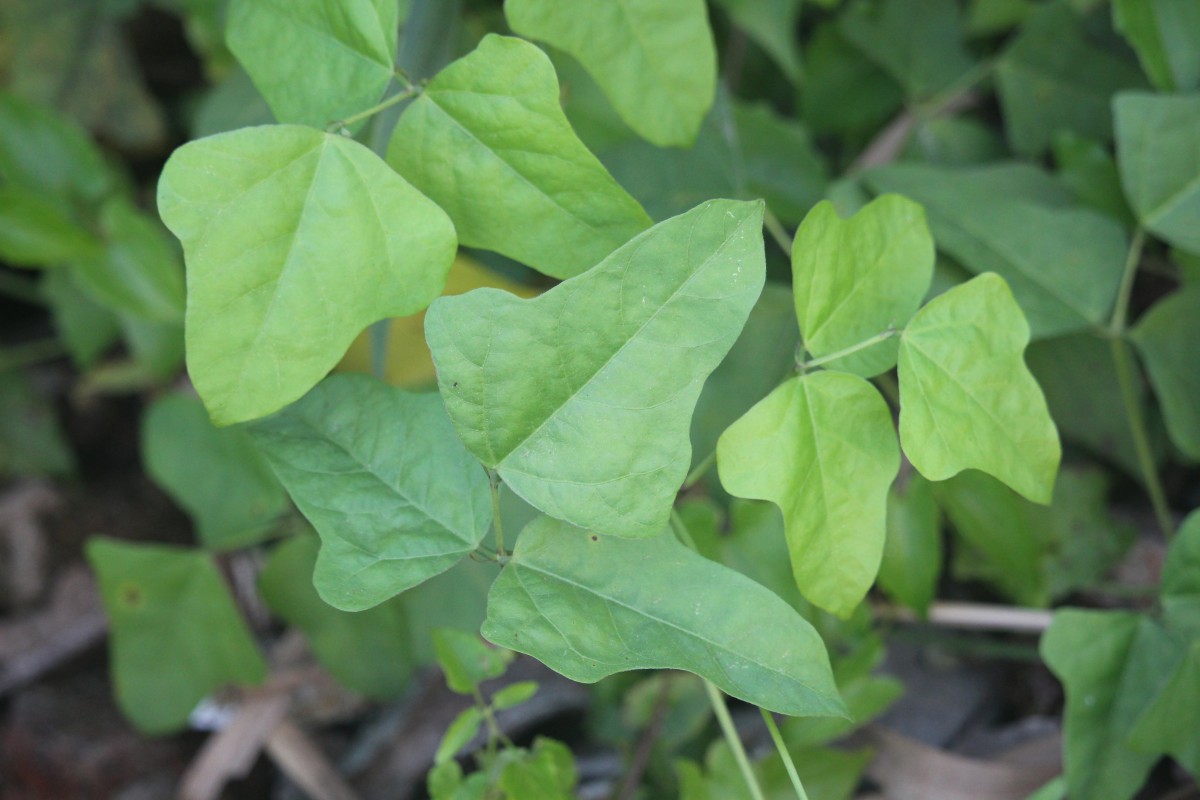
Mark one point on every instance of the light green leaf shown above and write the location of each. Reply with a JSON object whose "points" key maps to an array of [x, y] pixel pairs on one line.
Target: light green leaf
{"points": [[176, 634], [547, 773], [1064, 264], [1052, 78], [1166, 338], [44, 152], [589, 606], [912, 552], [581, 398], [918, 42], [773, 25], [514, 694], [466, 660], [460, 732], [85, 327], [654, 59], [855, 278], [138, 272], [37, 231], [822, 448], [1164, 34], [1111, 663], [216, 474], [31, 442], [1170, 722], [967, 399], [366, 650], [315, 62], [295, 241], [1160, 163], [381, 476], [488, 141]]}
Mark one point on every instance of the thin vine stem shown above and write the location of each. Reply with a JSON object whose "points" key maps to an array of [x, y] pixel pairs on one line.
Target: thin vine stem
{"points": [[681, 531], [497, 523], [23, 355], [849, 351], [731, 736], [777, 231], [399, 97], [699, 470], [788, 764], [1121, 310]]}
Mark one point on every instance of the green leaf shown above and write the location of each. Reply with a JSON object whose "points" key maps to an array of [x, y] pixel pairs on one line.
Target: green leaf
{"points": [[581, 398], [1181, 579], [855, 278], [654, 59], [822, 448], [216, 474], [31, 442], [918, 42], [461, 731], [912, 552], [953, 141], [514, 695], [1164, 34], [457, 598], [547, 773], [835, 70], [1170, 722], [467, 660], [314, 62], [1088, 169], [85, 327], [1166, 338], [1064, 264], [773, 25], [138, 272], [232, 103], [589, 606], [488, 141], [176, 634], [966, 397], [1160, 165], [1111, 664], [37, 231], [367, 651], [381, 476], [778, 159], [295, 241], [1052, 78], [47, 153]]}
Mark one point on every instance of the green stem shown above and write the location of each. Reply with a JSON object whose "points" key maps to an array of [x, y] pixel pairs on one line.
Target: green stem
{"points": [[777, 231], [22, 289], [1121, 310], [851, 350], [1123, 360], [497, 524], [964, 83], [681, 531], [699, 470], [731, 736], [788, 764], [22, 355], [399, 97]]}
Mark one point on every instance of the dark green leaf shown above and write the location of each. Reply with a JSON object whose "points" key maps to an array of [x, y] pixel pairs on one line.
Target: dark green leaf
{"points": [[37, 231], [1166, 338], [30, 440], [1164, 34], [912, 552]]}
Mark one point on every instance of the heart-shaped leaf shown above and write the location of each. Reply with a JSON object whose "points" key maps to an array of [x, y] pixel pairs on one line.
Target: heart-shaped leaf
{"points": [[582, 398], [488, 141], [822, 448], [295, 241], [589, 606], [382, 477]]}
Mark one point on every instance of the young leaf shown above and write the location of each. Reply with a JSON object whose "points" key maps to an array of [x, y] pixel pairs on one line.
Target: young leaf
{"points": [[912, 552], [216, 474], [295, 241], [514, 694], [1052, 79], [966, 397], [176, 632], [1166, 340], [822, 448], [533, 192], [1064, 264], [589, 606], [1111, 664], [466, 660], [854, 278], [1164, 34], [581, 398], [547, 773], [367, 651], [1160, 165], [654, 59], [382, 477], [314, 62], [462, 730]]}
